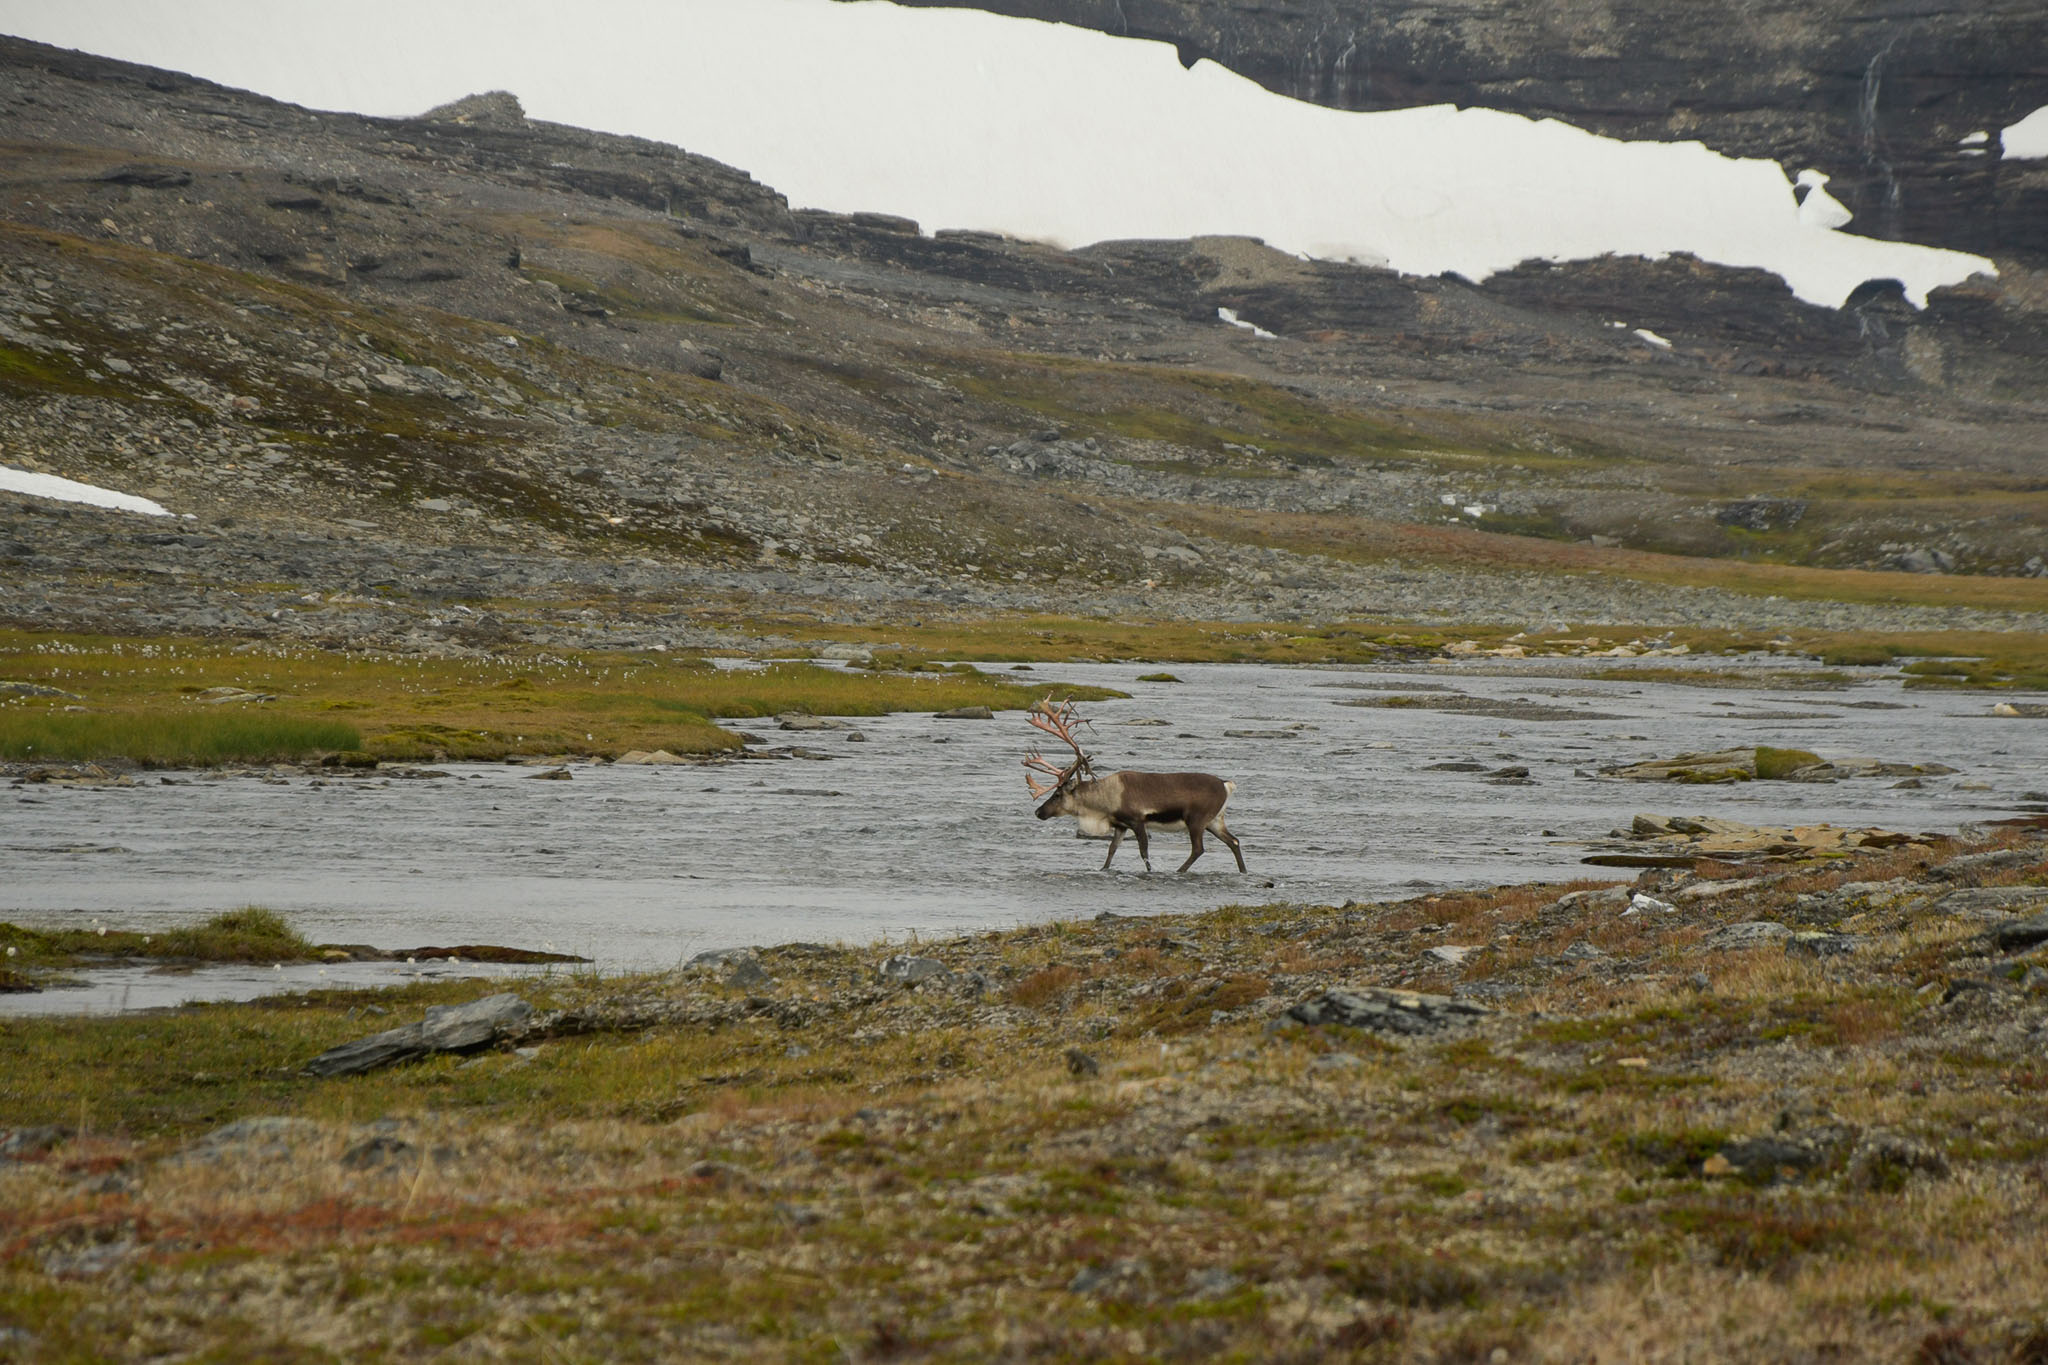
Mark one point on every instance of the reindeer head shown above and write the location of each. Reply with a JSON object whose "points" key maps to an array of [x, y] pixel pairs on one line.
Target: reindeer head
{"points": [[1058, 721]]}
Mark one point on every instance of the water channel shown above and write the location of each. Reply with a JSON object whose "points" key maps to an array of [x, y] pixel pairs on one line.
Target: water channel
{"points": [[924, 830]]}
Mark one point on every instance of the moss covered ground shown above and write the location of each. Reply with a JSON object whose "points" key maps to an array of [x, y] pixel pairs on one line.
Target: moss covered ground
{"points": [[1091, 1140]]}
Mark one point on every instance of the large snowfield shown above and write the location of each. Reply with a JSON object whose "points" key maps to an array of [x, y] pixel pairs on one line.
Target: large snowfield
{"points": [[963, 119]]}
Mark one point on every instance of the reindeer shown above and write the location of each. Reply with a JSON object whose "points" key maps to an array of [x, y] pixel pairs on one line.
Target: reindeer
{"points": [[1126, 802]]}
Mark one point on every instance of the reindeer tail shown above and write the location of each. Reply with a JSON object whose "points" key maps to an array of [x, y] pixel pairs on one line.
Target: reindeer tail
{"points": [[1228, 788]]}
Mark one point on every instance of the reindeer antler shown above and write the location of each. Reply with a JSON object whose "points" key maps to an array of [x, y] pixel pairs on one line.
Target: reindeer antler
{"points": [[1058, 721]]}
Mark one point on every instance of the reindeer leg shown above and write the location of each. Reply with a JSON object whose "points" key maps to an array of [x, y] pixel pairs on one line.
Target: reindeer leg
{"points": [[1194, 845], [1230, 842], [1144, 850], [1116, 837]]}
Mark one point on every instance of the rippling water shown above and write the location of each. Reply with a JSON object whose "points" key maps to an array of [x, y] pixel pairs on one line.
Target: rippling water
{"points": [[926, 828]]}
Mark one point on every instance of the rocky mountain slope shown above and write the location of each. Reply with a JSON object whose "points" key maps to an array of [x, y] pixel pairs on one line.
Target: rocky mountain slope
{"points": [[379, 367], [1881, 95]]}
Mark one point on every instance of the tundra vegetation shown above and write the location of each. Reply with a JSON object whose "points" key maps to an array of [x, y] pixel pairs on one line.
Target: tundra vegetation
{"points": [[195, 701], [1672, 1137], [172, 702]]}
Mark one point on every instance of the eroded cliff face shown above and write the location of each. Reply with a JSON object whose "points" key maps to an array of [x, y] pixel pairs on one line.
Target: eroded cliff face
{"points": [[1879, 94]]}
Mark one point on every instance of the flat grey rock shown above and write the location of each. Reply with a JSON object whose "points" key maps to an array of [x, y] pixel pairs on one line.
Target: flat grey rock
{"points": [[1749, 934], [1818, 943], [1386, 1011], [446, 1028], [368, 1054], [457, 1028], [2019, 935], [1991, 902]]}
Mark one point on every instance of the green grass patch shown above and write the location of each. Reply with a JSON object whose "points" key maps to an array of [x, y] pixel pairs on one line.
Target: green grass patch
{"points": [[169, 738], [141, 694], [1773, 763], [251, 934], [26, 373], [1858, 655], [2007, 670]]}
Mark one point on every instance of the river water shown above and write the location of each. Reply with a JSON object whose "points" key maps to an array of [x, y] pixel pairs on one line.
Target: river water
{"points": [[925, 830]]}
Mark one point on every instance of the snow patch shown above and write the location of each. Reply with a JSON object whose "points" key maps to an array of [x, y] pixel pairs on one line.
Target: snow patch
{"points": [[1230, 316], [71, 490], [1647, 335], [2026, 140], [966, 119], [1819, 209]]}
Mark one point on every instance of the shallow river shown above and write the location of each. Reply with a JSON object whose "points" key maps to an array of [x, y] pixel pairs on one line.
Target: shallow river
{"points": [[926, 829]]}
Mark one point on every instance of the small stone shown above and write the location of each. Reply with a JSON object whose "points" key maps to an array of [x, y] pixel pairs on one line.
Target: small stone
{"points": [[793, 720], [2019, 935], [1748, 934], [906, 970]]}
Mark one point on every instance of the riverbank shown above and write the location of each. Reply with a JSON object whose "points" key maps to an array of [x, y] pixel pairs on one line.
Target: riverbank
{"points": [[1798, 1111]]}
